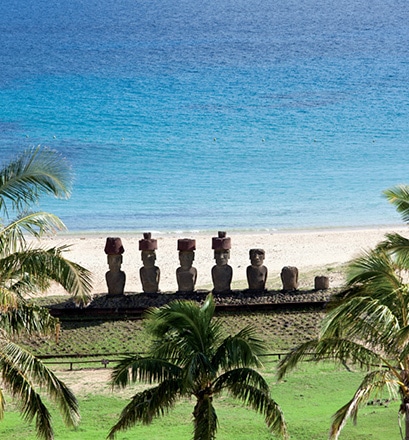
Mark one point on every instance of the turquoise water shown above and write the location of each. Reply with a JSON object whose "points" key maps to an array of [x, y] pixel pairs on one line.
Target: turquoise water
{"points": [[180, 115]]}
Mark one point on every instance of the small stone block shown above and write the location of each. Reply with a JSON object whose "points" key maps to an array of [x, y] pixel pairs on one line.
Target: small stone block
{"points": [[289, 278], [321, 283]]}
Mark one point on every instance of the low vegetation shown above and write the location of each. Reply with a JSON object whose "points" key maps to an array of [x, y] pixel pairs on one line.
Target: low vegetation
{"points": [[280, 330]]}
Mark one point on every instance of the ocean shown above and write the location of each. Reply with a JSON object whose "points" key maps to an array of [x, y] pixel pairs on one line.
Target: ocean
{"points": [[215, 115]]}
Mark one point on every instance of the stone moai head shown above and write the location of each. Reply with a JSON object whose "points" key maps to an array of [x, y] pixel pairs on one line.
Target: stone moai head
{"points": [[221, 246], [257, 272], [289, 278], [148, 246], [186, 248], [257, 257], [114, 250]]}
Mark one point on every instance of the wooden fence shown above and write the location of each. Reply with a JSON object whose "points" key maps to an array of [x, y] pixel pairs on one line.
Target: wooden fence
{"points": [[103, 360]]}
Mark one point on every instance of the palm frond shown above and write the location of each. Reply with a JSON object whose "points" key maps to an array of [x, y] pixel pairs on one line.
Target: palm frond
{"points": [[402, 341], [36, 224], [374, 271], [147, 370], [362, 318], [120, 375], [74, 278], [300, 353], [21, 373], [29, 319], [240, 376], [18, 316], [208, 308], [399, 197], [9, 299], [178, 317], [24, 270], [32, 367], [240, 350], [197, 371], [338, 349], [366, 324], [150, 370], [373, 382], [260, 401], [31, 270], [398, 247], [147, 405], [34, 172]]}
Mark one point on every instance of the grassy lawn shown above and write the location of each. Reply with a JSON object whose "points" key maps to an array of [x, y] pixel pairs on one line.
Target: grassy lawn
{"points": [[308, 398]]}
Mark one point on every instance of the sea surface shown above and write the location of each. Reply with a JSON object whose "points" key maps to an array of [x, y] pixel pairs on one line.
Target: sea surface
{"points": [[180, 115]]}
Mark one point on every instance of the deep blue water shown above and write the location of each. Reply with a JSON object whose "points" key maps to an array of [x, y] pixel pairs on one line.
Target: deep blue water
{"points": [[181, 115]]}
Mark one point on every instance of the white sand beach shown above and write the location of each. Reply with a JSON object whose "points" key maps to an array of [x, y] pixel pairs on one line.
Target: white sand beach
{"points": [[306, 250]]}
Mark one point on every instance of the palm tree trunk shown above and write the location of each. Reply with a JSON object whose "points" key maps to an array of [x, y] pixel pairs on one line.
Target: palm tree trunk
{"points": [[204, 418], [406, 420]]}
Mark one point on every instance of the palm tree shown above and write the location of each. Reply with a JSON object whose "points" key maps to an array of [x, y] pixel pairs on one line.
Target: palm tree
{"points": [[188, 357], [26, 270], [367, 325]]}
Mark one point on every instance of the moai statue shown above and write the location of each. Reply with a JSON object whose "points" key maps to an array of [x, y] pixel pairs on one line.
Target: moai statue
{"points": [[149, 273], [186, 275], [115, 277], [257, 272], [222, 273], [289, 278], [321, 283]]}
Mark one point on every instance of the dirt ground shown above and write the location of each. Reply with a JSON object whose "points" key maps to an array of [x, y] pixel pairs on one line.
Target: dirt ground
{"points": [[93, 381]]}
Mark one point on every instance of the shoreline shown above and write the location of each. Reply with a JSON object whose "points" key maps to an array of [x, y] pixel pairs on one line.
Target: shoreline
{"points": [[235, 231], [306, 249]]}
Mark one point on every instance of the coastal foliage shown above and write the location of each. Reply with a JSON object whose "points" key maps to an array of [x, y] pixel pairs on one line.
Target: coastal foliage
{"points": [[367, 324], [399, 197], [190, 358], [26, 270]]}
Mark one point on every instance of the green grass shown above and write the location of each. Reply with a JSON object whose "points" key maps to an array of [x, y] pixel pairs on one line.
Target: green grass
{"points": [[308, 397]]}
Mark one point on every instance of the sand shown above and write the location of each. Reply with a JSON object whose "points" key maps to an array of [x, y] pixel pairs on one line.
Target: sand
{"points": [[307, 250]]}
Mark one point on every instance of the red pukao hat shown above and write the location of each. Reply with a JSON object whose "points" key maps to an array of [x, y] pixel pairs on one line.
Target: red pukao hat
{"points": [[186, 244], [221, 242], [148, 243], [113, 246]]}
